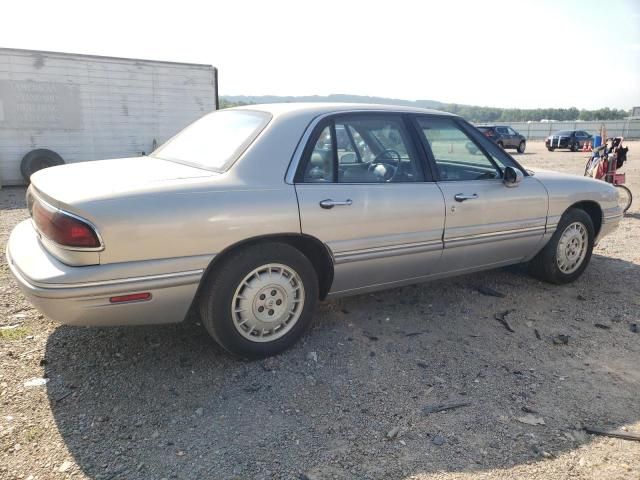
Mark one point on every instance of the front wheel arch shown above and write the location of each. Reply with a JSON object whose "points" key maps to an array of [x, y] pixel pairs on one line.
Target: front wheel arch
{"points": [[546, 265], [594, 211]]}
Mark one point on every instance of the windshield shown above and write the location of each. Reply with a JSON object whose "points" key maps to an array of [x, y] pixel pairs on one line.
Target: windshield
{"points": [[216, 140]]}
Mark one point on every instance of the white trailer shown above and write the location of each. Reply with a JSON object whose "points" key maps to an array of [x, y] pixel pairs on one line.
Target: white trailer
{"points": [[63, 107]]}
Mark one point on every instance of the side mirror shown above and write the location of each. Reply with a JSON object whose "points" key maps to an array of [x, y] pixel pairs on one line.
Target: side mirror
{"points": [[512, 177]]}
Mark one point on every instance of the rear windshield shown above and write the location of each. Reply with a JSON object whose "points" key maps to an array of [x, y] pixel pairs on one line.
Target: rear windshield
{"points": [[564, 132], [216, 140]]}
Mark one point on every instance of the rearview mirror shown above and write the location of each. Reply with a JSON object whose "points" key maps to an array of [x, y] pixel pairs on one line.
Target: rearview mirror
{"points": [[512, 177]]}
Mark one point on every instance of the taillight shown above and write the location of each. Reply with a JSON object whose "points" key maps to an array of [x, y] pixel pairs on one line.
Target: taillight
{"points": [[63, 228]]}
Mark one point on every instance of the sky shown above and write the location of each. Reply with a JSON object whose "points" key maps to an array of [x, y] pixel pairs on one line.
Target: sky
{"points": [[521, 54]]}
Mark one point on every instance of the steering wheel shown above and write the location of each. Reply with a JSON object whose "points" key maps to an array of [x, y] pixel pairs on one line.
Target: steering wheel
{"points": [[383, 169]]}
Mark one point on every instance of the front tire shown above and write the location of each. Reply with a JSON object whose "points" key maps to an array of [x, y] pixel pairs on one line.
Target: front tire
{"points": [[567, 254], [522, 146], [260, 300], [501, 145]]}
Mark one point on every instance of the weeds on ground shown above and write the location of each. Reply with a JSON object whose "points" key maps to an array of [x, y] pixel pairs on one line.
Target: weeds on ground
{"points": [[17, 333]]}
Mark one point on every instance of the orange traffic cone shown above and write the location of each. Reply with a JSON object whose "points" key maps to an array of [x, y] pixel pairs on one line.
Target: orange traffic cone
{"points": [[589, 149]]}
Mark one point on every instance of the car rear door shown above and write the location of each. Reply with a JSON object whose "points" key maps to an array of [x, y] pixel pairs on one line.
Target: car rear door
{"points": [[487, 223], [363, 191]]}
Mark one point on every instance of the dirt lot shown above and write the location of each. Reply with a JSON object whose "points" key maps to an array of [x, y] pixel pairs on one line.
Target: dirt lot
{"points": [[352, 399]]}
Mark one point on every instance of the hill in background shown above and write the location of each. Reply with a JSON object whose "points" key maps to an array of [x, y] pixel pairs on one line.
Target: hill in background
{"points": [[339, 98], [470, 112]]}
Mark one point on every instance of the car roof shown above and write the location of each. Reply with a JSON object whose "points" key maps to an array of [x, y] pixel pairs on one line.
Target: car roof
{"points": [[321, 108]]}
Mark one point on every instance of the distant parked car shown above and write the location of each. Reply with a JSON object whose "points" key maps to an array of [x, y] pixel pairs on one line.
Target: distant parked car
{"points": [[505, 137], [253, 214], [574, 140]]}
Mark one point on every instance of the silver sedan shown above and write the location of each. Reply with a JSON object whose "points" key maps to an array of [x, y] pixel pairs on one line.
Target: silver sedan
{"points": [[252, 215]]}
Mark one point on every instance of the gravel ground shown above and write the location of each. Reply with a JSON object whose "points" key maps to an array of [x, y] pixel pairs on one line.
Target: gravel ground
{"points": [[355, 398]]}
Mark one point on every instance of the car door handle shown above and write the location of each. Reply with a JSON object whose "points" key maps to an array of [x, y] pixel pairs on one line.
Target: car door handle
{"points": [[328, 203], [461, 197]]}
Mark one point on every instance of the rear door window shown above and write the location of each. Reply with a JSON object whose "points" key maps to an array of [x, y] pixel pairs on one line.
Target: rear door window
{"points": [[363, 149]]}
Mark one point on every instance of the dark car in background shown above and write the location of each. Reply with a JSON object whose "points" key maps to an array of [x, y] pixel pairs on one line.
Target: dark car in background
{"points": [[504, 136], [573, 140]]}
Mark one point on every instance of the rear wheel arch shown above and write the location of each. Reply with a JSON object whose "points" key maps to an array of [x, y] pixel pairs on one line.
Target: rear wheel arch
{"points": [[312, 248]]}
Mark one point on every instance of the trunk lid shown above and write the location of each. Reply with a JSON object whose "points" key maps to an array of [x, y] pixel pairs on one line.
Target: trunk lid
{"points": [[76, 183]]}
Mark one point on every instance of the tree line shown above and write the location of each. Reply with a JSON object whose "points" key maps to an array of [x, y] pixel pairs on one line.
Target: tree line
{"points": [[491, 114], [488, 114]]}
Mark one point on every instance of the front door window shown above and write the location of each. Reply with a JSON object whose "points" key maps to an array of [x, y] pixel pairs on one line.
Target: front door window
{"points": [[456, 155]]}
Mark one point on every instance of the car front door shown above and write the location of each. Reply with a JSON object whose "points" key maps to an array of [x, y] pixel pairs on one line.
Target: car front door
{"points": [[514, 137], [487, 223], [363, 191]]}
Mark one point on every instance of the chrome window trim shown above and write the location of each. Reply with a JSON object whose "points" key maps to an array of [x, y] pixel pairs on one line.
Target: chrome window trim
{"points": [[72, 215], [297, 153]]}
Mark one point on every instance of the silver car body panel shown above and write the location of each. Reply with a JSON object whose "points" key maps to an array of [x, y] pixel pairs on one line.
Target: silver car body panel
{"points": [[390, 231], [487, 230], [81, 295], [164, 223], [565, 190]]}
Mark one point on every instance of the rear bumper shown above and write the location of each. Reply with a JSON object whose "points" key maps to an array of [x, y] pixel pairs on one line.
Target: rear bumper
{"points": [[77, 300]]}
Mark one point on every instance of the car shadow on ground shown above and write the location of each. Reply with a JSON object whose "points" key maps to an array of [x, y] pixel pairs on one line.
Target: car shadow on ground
{"points": [[163, 401]]}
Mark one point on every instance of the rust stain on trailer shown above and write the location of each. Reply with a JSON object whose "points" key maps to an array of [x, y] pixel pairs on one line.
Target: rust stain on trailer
{"points": [[38, 60]]}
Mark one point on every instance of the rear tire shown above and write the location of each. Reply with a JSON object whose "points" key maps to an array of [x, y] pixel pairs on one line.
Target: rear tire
{"points": [[575, 147], [567, 254], [260, 300], [37, 160], [522, 146]]}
